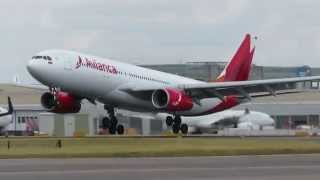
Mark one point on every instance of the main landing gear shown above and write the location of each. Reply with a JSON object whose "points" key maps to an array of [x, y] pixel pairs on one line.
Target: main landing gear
{"points": [[176, 125], [111, 122]]}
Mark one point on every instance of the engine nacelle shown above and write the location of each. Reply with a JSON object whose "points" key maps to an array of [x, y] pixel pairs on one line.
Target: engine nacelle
{"points": [[62, 103], [171, 100]]}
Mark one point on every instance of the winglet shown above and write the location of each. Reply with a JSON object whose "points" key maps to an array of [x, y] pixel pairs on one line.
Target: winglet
{"points": [[10, 108]]}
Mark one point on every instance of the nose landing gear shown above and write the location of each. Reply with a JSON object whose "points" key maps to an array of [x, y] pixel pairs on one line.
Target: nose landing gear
{"points": [[111, 122], [176, 125]]}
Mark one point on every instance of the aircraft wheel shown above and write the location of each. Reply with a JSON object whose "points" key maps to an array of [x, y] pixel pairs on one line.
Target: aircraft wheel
{"points": [[175, 128], [120, 129], [177, 120], [184, 128], [169, 121]]}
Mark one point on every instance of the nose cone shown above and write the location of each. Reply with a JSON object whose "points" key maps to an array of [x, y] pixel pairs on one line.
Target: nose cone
{"points": [[31, 67], [40, 70], [35, 69]]}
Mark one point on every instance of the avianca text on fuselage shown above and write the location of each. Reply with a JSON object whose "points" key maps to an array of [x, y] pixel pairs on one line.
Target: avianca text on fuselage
{"points": [[92, 64]]}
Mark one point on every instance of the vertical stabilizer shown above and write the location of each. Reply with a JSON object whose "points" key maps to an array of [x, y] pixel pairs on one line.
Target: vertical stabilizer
{"points": [[245, 70], [238, 69]]}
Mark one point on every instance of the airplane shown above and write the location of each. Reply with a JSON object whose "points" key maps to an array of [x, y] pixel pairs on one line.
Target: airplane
{"points": [[5, 116], [241, 119], [69, 77]]}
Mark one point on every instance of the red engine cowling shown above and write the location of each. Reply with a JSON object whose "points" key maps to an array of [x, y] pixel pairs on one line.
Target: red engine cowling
{"points": [[62, 103], [171, 100]]}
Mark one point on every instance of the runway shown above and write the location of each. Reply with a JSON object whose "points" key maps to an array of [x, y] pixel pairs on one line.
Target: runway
{"points": [[284, 167]]}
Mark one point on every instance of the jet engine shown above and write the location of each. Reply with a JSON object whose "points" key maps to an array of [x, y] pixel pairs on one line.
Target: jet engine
{"points": [[171, 100], [61, 103]]}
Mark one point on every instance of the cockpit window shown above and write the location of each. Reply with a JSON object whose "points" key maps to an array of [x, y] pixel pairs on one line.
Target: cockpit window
{"points": [[42, 57], [36, 57]]}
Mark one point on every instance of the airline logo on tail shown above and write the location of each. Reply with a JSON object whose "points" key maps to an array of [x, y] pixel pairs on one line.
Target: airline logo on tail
{"points": [[238, 69]]}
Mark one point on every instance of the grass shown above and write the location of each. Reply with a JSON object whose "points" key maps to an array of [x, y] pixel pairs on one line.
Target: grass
{"points": [[153, 147]]}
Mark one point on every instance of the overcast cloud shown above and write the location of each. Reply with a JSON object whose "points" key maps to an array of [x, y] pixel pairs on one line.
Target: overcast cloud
{"points": [[159, 31]]}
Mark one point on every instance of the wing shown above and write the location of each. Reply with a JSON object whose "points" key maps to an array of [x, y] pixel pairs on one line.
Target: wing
{"points": [[33, 86], [246, 89], [18, 83]]}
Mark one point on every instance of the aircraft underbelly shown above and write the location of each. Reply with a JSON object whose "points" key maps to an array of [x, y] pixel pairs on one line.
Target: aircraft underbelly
{"points": [[126, 101]]}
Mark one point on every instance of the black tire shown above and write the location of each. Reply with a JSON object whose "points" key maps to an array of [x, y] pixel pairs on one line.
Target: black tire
{"points": [[105, 123], [184, 128], [120, 129], [177, 120], [175, 128], [169, 121]]}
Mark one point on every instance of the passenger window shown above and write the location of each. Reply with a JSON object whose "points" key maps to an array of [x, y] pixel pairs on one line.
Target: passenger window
{"points": [[45, 57]]}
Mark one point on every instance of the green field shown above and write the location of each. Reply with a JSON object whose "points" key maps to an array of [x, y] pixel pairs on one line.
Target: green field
{"points": [[153, 147]]}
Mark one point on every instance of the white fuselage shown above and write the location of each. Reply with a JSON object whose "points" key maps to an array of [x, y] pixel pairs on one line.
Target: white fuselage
{"points": [[105, 80]]}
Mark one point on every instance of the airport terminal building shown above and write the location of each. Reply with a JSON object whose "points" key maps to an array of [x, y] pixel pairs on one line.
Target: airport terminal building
{"points": [[289, 111]]}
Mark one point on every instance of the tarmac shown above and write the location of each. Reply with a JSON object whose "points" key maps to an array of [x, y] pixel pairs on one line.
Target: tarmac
{"points": [[284, 167]]}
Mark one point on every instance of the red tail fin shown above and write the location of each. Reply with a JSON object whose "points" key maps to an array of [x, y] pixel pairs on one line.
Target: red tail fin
{"points": [[238, 69], [245, 69]]}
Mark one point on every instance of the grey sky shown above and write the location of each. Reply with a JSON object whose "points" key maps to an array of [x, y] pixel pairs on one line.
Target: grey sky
{"points": [[159, 31]]}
